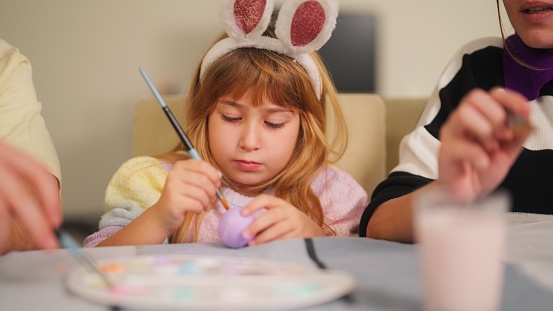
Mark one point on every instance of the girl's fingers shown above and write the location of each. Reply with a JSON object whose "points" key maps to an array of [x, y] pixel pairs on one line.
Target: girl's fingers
{"points": [[198, 195], [180, 180], [201, 167], [276, 213], [262, 201], [265, 221], [181, 195], [281, 220], [275, 232]]}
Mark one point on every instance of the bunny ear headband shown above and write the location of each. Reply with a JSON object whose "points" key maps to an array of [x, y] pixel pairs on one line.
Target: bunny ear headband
{"points": [[302, 26]]}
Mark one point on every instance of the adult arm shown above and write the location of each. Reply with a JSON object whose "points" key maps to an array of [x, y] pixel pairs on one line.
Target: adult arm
{"points": [[29, 202], [478, 149]]}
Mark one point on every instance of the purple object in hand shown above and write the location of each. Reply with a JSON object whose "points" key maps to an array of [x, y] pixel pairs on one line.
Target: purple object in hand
{"points": [[231, 226]]}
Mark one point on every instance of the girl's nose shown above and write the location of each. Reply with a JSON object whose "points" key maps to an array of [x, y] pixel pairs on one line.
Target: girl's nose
{"points": [[250, 137]]}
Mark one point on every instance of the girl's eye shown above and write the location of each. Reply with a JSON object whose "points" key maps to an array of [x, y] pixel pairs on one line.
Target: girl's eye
{"points": [[275, 125], [229, 119]]}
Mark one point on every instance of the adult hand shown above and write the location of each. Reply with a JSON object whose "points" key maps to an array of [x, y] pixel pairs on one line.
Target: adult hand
{"points": [[29, 198], [478, 146], [282, 220]]}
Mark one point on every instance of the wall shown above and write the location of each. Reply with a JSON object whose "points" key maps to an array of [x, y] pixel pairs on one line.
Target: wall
{"points": [[85, 56]]}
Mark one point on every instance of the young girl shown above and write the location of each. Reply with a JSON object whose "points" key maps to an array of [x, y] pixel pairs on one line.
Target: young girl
{"points": [[257, 114], [464, 143]]}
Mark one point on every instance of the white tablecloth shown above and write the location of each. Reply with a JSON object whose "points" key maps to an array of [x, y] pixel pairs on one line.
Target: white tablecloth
{"points": [[387, 273], [530, 248]]}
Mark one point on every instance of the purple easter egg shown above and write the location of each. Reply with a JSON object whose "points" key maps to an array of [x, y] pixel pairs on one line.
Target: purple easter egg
{"points": [[231, 226]]}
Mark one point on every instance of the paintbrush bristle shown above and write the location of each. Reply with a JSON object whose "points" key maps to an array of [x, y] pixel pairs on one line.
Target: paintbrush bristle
{"points": [[224, 201], [520, 126]]}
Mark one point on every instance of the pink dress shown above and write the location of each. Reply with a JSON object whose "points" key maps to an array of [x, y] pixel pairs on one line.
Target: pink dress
{"points": [[138, 183]]}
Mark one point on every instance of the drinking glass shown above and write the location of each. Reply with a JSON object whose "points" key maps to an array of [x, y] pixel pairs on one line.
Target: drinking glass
{"points": [[461, 249]]}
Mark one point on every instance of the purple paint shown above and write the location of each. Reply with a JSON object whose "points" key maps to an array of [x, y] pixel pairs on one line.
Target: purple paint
{"points": [[231, 226]]}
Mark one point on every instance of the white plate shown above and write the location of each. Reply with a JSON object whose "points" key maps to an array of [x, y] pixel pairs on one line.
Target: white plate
{"points": [[180, 282]]}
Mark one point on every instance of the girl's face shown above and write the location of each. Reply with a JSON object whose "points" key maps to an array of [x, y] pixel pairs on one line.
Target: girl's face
{"points": [[251, 144], [532, 21]]}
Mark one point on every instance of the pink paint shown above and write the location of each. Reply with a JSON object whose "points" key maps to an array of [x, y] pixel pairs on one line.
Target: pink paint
{"points": [[162, 260], [127, 290]]}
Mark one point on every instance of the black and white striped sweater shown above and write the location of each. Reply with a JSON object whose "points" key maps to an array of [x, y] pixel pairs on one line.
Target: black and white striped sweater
{"points": [[478, 64]]}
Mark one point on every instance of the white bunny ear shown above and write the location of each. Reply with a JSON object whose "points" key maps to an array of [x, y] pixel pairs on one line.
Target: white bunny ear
{"points": [[245, 18], [304, 26]]}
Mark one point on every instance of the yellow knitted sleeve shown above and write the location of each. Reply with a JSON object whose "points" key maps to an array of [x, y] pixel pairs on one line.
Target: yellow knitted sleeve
{"points": [[136, 185]]}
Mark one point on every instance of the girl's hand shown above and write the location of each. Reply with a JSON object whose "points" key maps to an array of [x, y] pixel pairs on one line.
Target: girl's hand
{"points": [[190, 187], [478, 147], [282, 220]]}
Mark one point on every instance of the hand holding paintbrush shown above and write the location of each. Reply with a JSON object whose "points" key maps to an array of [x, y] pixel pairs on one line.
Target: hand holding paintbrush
{"points": [[67, 241], [480, 141], [182, 135], [519, 125]]}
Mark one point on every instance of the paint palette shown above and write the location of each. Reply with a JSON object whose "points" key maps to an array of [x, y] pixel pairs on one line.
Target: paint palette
{"points": [[183, 282]]}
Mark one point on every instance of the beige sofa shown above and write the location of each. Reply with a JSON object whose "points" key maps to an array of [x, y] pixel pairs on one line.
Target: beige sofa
{"points": [[376, 128]]}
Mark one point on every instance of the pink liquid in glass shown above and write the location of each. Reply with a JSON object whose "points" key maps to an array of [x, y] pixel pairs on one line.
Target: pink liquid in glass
{"points": [[461, 253]]}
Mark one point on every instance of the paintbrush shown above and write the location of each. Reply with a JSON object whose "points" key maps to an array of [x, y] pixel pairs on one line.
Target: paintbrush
{"points": [[187, 144], [67, 241], [519, 125]]}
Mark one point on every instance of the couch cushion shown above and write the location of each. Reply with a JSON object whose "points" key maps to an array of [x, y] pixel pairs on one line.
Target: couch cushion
{"points": [[401, 118], [365, 158]]}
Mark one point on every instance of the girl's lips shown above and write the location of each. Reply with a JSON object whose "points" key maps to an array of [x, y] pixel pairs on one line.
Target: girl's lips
{"points": [[248, 165]]}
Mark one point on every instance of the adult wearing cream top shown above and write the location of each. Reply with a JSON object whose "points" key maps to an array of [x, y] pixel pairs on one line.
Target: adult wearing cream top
{"points": [[30, 174]]}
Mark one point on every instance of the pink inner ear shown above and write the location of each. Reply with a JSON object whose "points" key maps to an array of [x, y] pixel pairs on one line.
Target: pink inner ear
{"points": [[248, 13], [307, 23]]}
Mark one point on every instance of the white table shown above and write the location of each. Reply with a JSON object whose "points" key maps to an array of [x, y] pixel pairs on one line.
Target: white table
{"points": [[530, 249], [387, 273]]}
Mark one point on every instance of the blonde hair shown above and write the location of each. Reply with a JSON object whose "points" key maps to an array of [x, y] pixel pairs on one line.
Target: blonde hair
{"points": [[280, 79]]}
